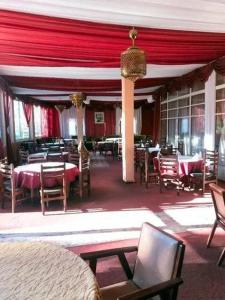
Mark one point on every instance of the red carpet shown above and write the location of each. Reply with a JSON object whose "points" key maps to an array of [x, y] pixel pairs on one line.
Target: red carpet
{"points": [[113, 215], [203, 279]]}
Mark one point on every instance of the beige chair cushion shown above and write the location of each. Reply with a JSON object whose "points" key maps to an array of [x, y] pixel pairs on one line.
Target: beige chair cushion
{"points": [[112, 292], [155, 257]]}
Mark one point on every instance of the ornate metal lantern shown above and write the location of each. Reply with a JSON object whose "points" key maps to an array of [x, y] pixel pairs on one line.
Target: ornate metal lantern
{"points": [[133, 60], [78, 99]]}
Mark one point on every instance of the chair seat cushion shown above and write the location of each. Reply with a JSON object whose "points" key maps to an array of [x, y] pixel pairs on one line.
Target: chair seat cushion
{"points": [[112, 292]]}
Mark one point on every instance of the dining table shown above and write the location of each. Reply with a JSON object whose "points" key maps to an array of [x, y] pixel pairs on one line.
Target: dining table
{"points": [[28, 176], [187, 164], [41, 270]]}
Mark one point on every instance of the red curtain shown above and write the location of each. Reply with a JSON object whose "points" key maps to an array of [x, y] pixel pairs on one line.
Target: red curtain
{"points": [[27, 107], [105, 129], [33, 40], [50, 122]]}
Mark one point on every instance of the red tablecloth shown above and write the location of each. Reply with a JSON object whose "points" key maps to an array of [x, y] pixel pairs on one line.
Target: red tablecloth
{"points": [[187, 164], [28, 176]]}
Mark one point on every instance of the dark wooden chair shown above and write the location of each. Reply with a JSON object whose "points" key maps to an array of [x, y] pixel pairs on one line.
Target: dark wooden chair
{"points": [[218, 197], [42, 157], [151, 169], [23, 156], [55, 174], [157, 269], [169, 172], [209, 171], [84, 176], [8, 187]]}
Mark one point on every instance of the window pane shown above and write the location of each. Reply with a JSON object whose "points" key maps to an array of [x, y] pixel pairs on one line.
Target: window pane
{"points": [[164, 106], [37, 121], [220, 94], [172, 113], [21, 128], [163, 129], [220, 79], [198, 99], [183, 102], [183, 128], [172, 104], [171, 131], [220, 129], [163, 114], [220, 107], [183, 111], [198, 110], [197, 133]]}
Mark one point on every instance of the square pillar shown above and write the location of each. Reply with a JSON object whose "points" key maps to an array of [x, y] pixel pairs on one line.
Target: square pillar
{"points": [[127, 128]]}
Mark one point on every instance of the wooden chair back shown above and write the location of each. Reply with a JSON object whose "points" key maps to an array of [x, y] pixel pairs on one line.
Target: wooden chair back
{"points": [[210, 167], [23, 156], [84, 176], [74, 158], [169, 171], [37, 159], [53, 176]]}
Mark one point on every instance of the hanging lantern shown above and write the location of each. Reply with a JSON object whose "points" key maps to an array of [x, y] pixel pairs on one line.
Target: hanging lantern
{"points": [[133, 60], [78, 99]]}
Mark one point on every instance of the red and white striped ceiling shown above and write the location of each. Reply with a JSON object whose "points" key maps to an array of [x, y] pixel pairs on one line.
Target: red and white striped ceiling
{"points": [[50, 49]]}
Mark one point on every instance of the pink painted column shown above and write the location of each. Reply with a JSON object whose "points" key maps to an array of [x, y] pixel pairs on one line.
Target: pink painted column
{"points": [[127, 128]]}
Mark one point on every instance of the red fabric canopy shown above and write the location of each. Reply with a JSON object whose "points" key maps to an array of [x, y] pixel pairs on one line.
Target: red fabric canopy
{"points": [[86, 86], [31, 40]]}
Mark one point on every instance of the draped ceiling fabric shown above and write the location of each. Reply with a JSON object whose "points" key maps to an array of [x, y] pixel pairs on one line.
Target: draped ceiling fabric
{"points": [[49, 50]]}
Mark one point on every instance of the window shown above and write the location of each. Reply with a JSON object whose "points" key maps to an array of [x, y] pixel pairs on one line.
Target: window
{"points": [[37, 121], [21, 129]]}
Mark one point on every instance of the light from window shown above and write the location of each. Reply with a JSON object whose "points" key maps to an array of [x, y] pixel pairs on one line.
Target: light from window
{"points": [[37, 121], [21, 128]]}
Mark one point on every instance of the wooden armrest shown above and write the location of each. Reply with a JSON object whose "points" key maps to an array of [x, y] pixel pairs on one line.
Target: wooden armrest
{"points": [[152, 291], [107, 252], [120, 252]]}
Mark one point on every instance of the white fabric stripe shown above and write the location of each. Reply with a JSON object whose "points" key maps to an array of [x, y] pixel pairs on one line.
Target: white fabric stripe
{"points": [[95, 98], [21, 91], [153, 71], [199, 15]]}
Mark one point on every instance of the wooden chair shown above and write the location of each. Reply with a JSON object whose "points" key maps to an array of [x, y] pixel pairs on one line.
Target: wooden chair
{"points": [[157, 269], [74, 158], [58, 192], [55, 156], [37, 159], [84, 168], [84, 176], [169, 172], [151, 169], [208, 173], [23, 156], [8, 186], [218, 197], [139, 162]]}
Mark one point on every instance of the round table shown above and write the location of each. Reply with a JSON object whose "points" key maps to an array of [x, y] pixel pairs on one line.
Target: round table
{"points": [[28, 176], [37, 270]]}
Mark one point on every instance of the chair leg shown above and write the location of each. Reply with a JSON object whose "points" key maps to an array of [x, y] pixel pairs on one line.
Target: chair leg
{"points": [[219, 263], [211, 234], [43, 207], [13, 203], [64, 204]]}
